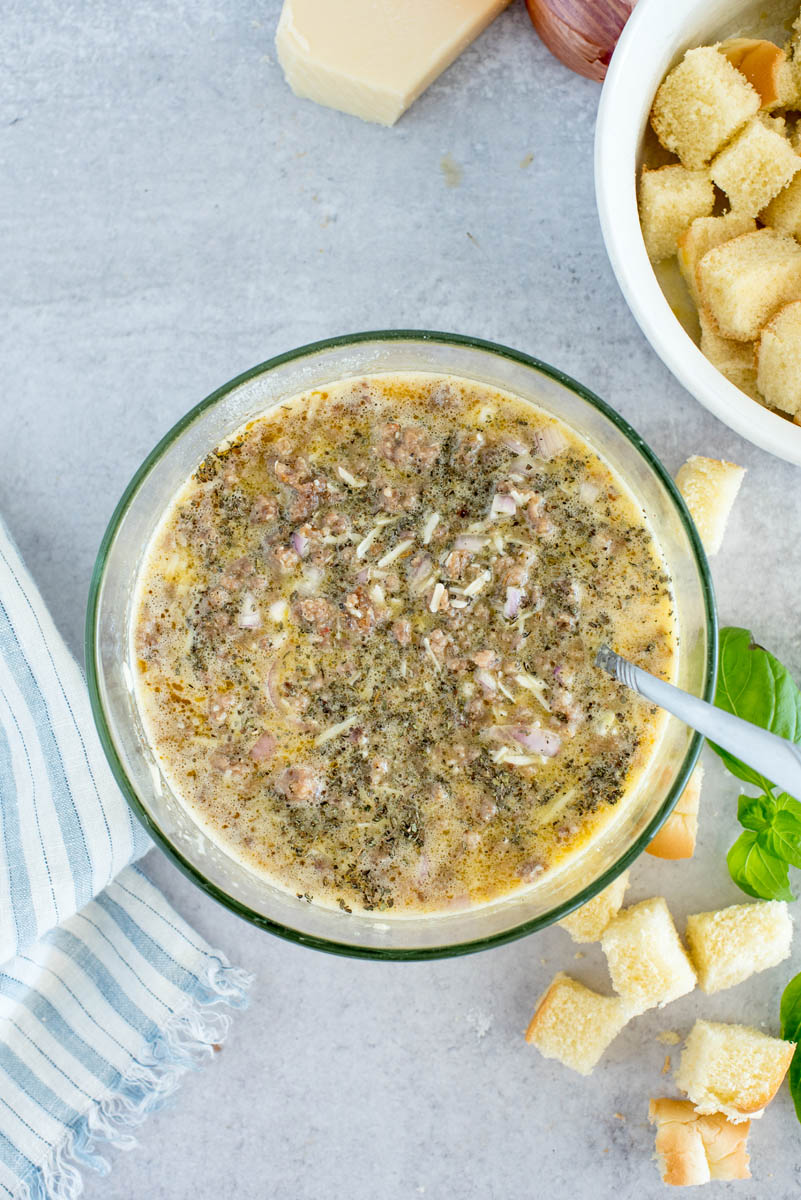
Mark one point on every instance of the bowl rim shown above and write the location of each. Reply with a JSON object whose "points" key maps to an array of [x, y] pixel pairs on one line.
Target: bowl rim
{"points": [[652, 26], [188, 868]]}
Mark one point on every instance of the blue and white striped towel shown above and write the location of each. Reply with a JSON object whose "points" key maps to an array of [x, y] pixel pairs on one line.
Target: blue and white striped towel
{"points": [[107, 996]]}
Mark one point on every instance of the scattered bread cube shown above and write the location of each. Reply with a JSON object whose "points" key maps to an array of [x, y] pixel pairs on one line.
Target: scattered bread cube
{"points": [[702, 235], [734, 943], [670, 198], [647, 962], [709, 488], [732, 1069], [784, 210], [766, 68], [700, 105], [574, 1024], [587, 923], [692, 1149], [743, 282], [778, 358], [676, 838], [735, 360], [755, 166]]}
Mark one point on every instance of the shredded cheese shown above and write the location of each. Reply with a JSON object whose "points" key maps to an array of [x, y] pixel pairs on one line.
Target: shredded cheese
{"points": [[476, 586], [431, 653], [436, 596], [431, 523], [365, 544], [396, 552], [532, 684], [351, 480], [334, 731]]}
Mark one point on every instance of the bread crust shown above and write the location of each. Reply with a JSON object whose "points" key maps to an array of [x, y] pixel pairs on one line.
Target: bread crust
{"points": [[760, 61], [692, 1148], [676, 838], [693, 1078]]}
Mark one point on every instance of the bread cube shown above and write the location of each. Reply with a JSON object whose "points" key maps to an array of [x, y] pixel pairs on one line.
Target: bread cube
{"points": [[732, 1069], [766, 68], [670, 198], [784, 210], [702, 235], [647, 962], [587, 923], [691, 1148], [734, 943], [735, 360], [700, 105], [676, 838], [755, 166], [709, 488], [745, 281], [574, 1024], [778, 358]]}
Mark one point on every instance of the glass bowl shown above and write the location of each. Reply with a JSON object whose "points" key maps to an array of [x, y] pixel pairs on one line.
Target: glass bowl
{"points": [[109, 676]]}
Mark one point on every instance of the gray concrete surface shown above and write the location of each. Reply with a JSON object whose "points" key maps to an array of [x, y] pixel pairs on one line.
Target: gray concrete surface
{"points": [[170, 215]]}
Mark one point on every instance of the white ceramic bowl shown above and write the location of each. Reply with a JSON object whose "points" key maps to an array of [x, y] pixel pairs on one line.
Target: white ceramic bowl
{"points": [[656, 36]]}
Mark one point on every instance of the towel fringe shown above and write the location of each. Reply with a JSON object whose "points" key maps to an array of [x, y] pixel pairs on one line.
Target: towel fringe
{"points": [[186, 1040]]}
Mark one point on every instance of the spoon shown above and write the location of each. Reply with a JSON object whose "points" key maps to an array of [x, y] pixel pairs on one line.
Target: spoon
{"points": [[778, 759]]}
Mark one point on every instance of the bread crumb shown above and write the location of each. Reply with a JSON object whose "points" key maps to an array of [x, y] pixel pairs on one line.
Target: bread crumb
{"points": [[579, 954], [619, 1116], [668, 1037], [479, 1022], [666, 1065]]}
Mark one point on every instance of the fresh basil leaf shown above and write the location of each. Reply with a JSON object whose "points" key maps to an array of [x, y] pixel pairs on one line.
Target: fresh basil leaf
{"points": [[781, 846], [790, 1011], [755, 812], [783, 838], [754, 685], [756, 871], [788, 810], [790, 1014]]}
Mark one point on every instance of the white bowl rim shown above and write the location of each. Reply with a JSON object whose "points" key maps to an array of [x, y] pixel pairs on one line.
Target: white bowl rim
{"points": [[618, 131]]}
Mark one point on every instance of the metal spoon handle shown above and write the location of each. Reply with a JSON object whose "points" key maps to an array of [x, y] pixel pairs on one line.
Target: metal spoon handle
{"points": [[772, 756]]}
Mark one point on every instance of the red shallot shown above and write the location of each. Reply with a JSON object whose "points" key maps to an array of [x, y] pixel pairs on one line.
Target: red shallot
{"points": [[581, 33]]}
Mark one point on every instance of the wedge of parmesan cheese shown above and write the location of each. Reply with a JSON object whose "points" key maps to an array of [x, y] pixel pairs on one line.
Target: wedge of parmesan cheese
{"points": [[373, 58]]}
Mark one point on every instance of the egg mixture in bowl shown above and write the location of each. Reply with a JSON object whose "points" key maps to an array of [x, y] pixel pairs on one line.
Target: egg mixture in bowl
{"points": [[355, 653]]}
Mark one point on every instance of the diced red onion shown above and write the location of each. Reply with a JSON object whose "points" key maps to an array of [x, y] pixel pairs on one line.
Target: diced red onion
{"points": [[273, 683], [419, 574], [516, 445], [588, 492], [312, 578], [263, 748], [249, 615], [537, 741], [487, 682], [512, 606], [550, 441], [503, 505], [471, 542], [300, 543]]}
